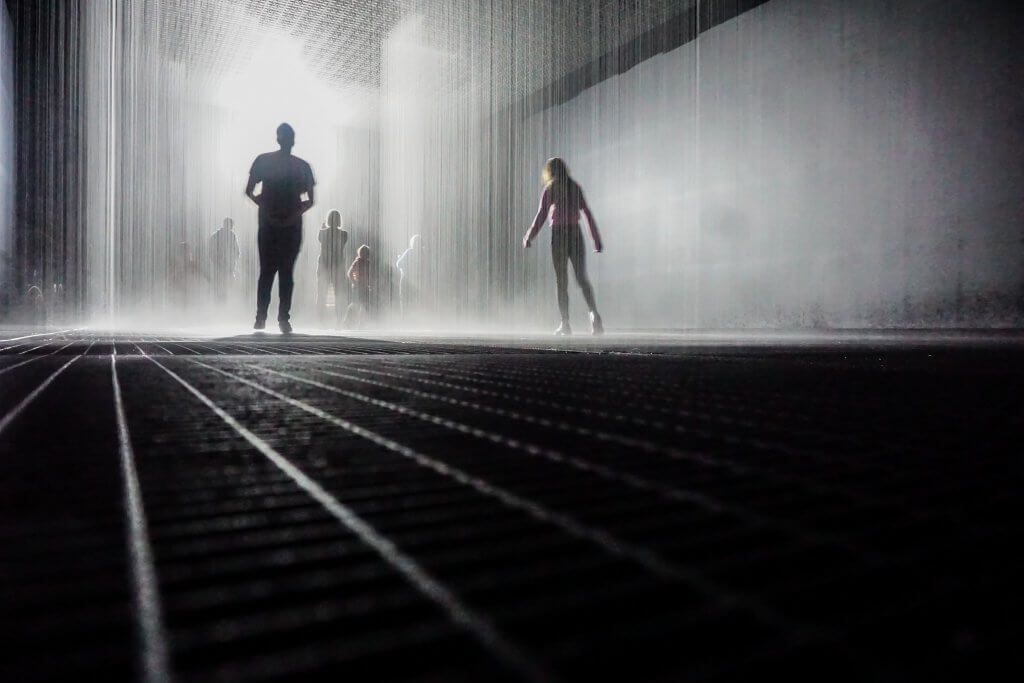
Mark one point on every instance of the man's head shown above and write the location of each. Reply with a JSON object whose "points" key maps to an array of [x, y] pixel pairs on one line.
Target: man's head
{"points": [[333, 218], [364, 251], [229, 224], [414, 242], [285, 136]]}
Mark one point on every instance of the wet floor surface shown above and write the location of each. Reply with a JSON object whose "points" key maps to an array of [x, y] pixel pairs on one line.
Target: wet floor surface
{"points": [[637, 508]]}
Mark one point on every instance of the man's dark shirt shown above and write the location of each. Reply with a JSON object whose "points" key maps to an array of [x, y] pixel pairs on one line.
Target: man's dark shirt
{"points": [[285, 178]]}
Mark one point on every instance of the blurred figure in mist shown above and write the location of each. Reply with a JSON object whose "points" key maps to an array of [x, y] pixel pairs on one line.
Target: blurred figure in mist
{"points": [[330, 267], [409, 269], [359, 276], [7, 288], [187, 278], [223, 255], [35, 305], [562, 201], [55, 310], [284, 178]]}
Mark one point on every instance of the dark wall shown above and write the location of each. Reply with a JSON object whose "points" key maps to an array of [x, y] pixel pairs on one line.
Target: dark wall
{"points": [[7, 168], [807, 164], [48, 233]]}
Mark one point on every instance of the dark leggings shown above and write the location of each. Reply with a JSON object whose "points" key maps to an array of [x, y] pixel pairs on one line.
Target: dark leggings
{"points": [[567, 245], [327, 277], [279, 247]]}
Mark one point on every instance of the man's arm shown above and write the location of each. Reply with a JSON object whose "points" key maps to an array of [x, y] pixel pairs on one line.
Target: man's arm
{"points": [[309, 182], [251, 184], [249, 187], [308, 204]]}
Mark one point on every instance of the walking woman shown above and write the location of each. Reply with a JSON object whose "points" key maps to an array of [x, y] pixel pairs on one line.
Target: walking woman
{"points": [[563, 200]]}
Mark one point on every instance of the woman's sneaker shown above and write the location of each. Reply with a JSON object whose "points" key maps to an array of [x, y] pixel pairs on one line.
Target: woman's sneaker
{"points": [[564, 329], [596, 326]]}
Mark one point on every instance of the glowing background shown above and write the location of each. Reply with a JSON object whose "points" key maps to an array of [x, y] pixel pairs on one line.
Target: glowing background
{"points": [[818, 165]]}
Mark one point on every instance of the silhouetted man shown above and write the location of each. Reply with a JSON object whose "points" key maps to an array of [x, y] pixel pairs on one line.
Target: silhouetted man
{"points": [[285, 179]]}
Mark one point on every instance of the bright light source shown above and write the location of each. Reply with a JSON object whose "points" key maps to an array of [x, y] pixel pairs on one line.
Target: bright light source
{"points": [[278, 85]]}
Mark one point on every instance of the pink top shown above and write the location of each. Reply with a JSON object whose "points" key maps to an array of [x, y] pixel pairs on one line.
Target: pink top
{"points": [[565, 211], [359, 272]]}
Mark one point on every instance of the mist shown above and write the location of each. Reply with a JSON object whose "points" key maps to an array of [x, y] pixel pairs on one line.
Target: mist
{"points": [[796, 165]]}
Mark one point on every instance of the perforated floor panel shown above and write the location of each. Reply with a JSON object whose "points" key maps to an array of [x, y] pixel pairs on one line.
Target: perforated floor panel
{"points": [[641, 509]]}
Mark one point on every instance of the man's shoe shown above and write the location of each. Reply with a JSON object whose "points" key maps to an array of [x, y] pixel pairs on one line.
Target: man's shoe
{"points": [[596, 326], [260, 324], [564, 330], [286, 327]]}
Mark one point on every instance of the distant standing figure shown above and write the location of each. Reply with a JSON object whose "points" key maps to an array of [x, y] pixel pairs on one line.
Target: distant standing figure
{"points": [[359, 276], [563, 199], [330, 268], [187, 279], [55, 303], [409, 270], [285, 179], [36, 305], [224, 255]]}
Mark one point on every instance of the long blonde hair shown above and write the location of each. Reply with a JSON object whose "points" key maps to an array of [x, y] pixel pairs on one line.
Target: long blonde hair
{"points": [[563, 189], [554, 170]]}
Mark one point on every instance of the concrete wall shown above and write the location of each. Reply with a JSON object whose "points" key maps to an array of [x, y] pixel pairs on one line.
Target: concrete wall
{"points": [[822, 164]]}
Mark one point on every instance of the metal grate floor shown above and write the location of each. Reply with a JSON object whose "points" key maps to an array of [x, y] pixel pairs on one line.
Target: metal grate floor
{"points": [[271, 508]]}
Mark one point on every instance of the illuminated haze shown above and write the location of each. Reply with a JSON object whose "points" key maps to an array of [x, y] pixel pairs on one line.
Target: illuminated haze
{"points": [[802, 165]]}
